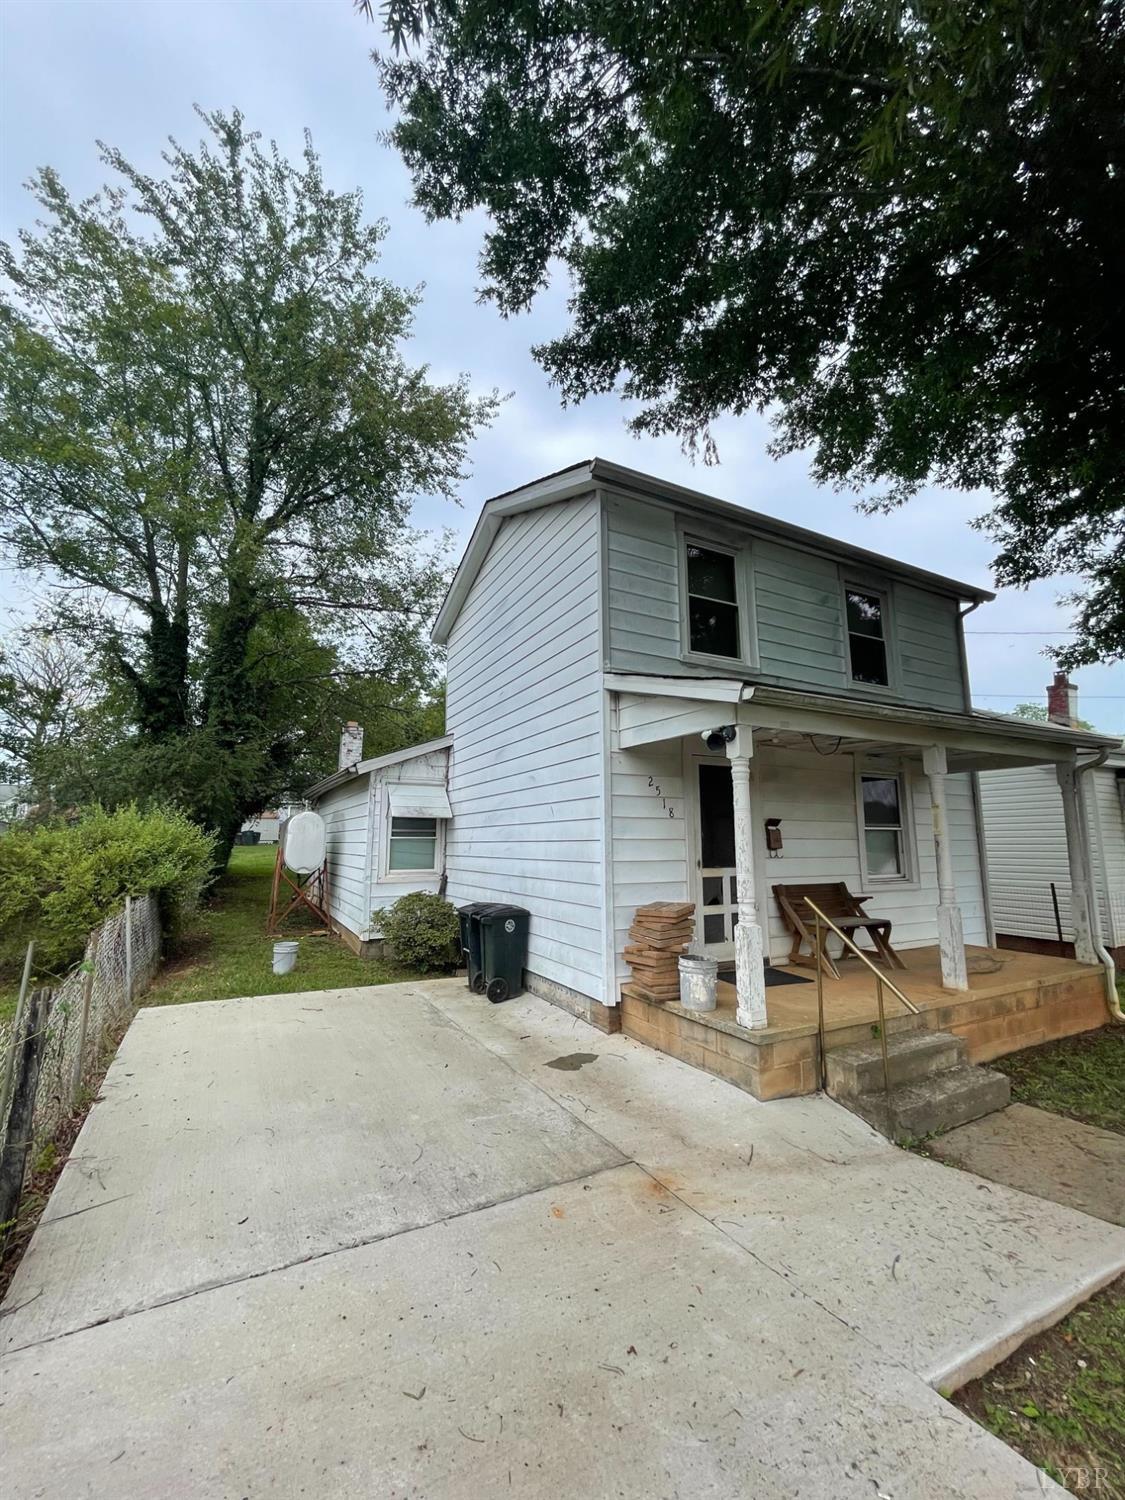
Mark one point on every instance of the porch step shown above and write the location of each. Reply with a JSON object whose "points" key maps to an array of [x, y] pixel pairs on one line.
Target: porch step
{"points": [[934, 1105], [911, 1056], [933, 1089]]}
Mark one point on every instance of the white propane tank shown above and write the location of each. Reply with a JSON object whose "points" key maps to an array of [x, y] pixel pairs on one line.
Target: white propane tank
{"points": [[304, 842]]}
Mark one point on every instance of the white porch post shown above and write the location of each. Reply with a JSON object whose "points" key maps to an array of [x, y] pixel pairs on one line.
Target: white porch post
{"points": [[749, 950], [951, 932], [1075, 852]]}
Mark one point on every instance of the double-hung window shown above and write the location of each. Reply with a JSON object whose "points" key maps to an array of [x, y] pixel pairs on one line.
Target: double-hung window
{"points": [[884, 830], [867, 635], [714, 621], [412, 844]]}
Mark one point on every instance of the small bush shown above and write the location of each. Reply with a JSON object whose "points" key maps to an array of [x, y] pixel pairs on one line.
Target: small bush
{"points": [[421, 932], [60, 880]]}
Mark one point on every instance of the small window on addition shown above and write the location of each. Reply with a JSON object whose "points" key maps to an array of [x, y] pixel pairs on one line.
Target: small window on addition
{"points": [[412, 844], [713, 602], [867, 641], [883, 833]]}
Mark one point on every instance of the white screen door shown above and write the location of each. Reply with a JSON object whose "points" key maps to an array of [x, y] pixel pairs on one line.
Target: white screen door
{"points": [[718, 880]]}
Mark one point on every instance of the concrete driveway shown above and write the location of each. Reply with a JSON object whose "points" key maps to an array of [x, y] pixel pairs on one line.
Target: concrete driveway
{"points": [[399, 1242]]}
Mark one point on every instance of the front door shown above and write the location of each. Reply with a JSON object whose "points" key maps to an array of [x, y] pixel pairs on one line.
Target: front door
{"points": [[717, 896]]}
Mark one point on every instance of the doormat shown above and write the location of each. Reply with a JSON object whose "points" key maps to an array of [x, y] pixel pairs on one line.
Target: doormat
{"points": [[773, 976]]}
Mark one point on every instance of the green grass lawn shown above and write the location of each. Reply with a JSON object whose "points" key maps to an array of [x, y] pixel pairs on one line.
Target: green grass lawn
{"points": [[1082, 1077], [1060, 1400], [226, 952]]}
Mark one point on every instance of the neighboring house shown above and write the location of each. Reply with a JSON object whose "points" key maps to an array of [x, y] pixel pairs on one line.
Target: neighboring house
{"points": [[1025, 833], [14, 806], [385, 821], [600, 625], [267, 825]]}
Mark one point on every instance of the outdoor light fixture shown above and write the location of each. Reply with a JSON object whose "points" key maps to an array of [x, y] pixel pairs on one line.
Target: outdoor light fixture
{"points": [[719, 739]]}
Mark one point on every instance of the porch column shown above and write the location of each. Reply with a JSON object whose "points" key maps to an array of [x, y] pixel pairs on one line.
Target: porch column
{"points": [[1076, 858], [749, 950], [951, 932]]}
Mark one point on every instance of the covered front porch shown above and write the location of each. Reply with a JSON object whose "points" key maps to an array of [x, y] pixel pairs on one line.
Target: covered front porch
{"points": [[878, 799], [1013, 1000]]}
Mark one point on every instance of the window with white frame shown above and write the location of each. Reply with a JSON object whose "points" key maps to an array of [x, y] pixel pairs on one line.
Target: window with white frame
{"points": [[867, 635], [714, 620], [412, 844], [883, 810]]}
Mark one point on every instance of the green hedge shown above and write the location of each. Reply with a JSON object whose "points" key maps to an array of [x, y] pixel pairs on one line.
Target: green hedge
{"points": [[59, 880]]}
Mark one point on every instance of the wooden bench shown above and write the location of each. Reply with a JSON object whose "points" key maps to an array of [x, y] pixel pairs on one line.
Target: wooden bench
{"points": [[846, 910]]}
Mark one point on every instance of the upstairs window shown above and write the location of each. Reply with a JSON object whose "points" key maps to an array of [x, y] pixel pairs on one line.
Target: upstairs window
{"points": [[714, 626], [884, 833], [867, 638], [412, 844]]}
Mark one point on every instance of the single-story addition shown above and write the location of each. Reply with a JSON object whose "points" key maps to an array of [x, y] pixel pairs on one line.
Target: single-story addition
{"points": [[1025, 833], [654, 695], [385, 823]]}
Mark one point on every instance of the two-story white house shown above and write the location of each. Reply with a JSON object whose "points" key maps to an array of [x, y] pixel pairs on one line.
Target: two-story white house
{"points": [[602, 623]]}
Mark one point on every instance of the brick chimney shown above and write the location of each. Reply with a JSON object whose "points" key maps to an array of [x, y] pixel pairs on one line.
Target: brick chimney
{"points": [[1062, 701], [351, 744]]}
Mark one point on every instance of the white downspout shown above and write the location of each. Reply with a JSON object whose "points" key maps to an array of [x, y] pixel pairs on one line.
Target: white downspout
{"points": [[1113, 1004]]}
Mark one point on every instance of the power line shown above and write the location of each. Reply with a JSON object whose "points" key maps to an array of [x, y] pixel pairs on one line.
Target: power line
{"points": [[1062, 630], [1101, 697]]}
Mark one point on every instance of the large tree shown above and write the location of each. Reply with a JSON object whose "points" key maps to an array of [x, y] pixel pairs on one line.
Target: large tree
{"points": [[207, 415], [895, 223]]}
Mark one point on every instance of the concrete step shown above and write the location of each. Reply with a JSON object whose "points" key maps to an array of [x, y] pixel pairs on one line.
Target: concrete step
{"points": [[911, 1057], [933, 1105]]}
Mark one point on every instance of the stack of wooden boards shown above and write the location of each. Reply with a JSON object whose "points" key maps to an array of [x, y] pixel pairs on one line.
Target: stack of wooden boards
{"points": [[660, 932]]}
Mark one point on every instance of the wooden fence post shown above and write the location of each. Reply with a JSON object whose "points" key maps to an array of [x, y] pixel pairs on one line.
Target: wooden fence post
{"points": [[17, 1032], [21, 1111]]}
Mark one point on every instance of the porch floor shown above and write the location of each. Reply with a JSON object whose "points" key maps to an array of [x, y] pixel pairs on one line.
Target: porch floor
{"points": [[851, 998], [1014, 1000]]}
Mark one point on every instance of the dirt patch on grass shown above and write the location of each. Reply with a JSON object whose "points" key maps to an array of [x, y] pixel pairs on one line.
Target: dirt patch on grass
{"points": [[1082, 1077], [1060, 1400]]}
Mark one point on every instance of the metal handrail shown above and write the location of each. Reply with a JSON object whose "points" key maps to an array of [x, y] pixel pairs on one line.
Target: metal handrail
{"points": [[880, 981]]}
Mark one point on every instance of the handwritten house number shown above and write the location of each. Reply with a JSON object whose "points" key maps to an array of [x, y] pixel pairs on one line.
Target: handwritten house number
{"points": [[658, 789]]}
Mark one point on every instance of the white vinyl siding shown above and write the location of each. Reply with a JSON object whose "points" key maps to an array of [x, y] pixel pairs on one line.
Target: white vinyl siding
{"points": [[524, 705], [1025, 835], [650, 848], [815, 798], [346, 812], [927, 643]]}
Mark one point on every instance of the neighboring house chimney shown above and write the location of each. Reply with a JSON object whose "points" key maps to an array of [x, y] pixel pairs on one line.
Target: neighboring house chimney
{"points": [[1062, 701], [351, 744]]}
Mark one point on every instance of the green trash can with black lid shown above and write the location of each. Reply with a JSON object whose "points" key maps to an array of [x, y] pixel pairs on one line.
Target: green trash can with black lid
{"points": [[503, 931], [471, 941]]}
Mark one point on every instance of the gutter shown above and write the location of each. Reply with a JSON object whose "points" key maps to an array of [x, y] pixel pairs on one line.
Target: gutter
{"points": [[1113, 1004]]}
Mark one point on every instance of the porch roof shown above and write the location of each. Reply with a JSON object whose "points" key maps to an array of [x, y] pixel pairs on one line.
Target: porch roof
{"points": [[652, 709]]}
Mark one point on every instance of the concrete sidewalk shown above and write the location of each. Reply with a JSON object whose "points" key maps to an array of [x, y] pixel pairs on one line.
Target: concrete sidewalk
{"points": [[370, 1243]]}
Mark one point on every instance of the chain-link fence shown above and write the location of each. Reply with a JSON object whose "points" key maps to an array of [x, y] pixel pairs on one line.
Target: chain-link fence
{"points": [[95, 999]]}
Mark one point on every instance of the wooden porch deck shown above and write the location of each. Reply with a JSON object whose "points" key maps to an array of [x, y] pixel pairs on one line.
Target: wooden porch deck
{"points": [[1014, 1000]]}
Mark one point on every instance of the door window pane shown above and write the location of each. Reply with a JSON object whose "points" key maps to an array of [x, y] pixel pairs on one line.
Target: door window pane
{"points": [[716, 818], [712, 890], [412, 844], [712, 586], [714, 927], [867, 646]]}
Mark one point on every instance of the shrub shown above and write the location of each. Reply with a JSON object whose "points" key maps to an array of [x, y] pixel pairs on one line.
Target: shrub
{"points": [[421, 932], [59, 880]]}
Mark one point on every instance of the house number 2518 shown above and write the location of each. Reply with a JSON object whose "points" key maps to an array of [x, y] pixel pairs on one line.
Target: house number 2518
{"points": [[659, 791]]}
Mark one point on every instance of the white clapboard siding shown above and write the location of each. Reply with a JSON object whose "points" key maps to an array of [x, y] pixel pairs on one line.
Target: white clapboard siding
{"points": [[346, 811], [1025, 835], [524, 706], [650, 835], [798, 613], [815, 797]]}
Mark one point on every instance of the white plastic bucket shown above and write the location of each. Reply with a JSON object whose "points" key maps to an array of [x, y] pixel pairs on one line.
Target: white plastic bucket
{"points": [[284, 958], [698, 979]]}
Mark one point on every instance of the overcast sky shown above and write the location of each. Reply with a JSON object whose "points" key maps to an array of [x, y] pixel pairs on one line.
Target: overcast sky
{"points": [[76, 71]]}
